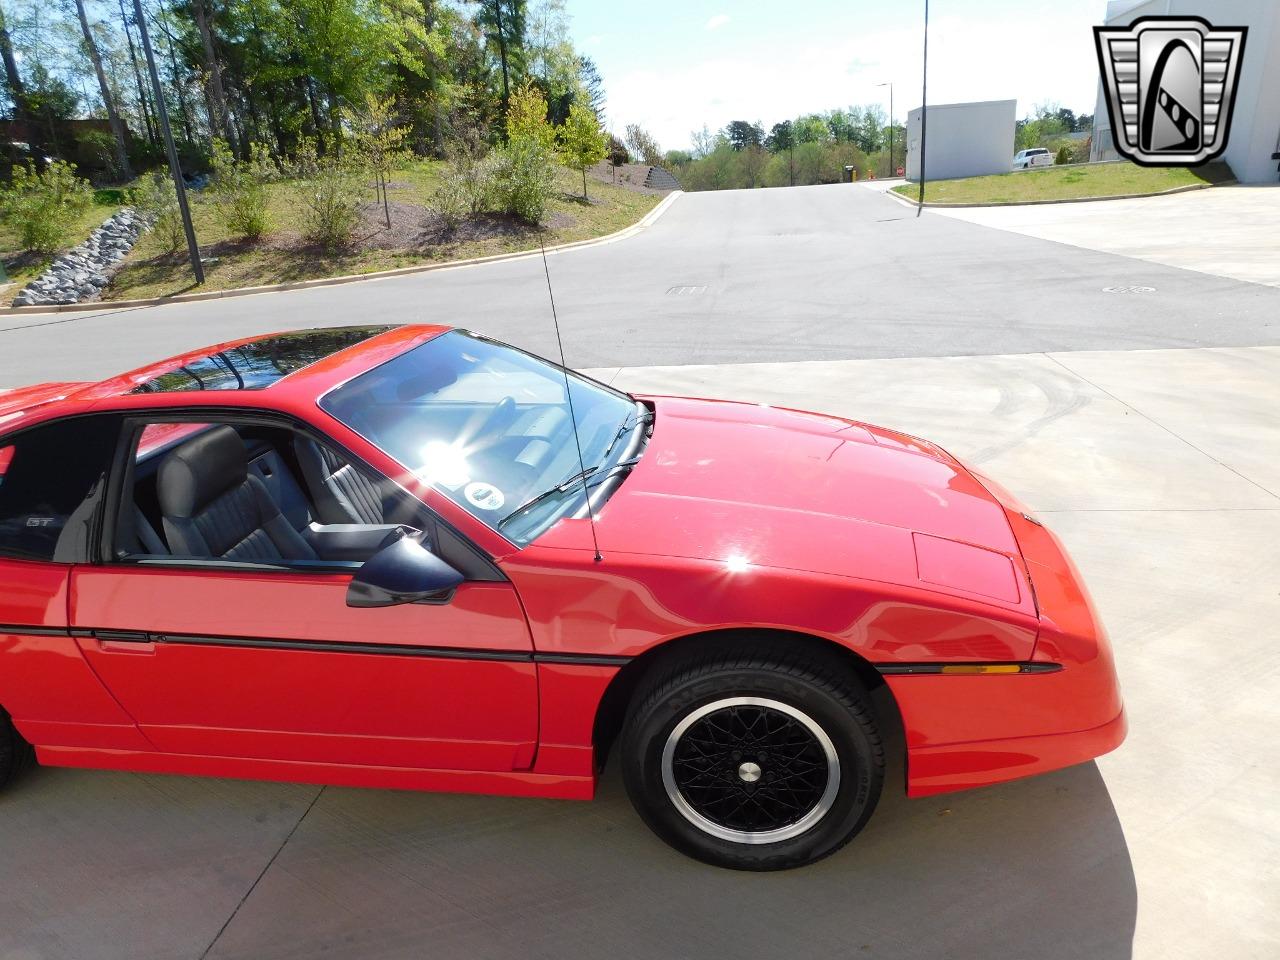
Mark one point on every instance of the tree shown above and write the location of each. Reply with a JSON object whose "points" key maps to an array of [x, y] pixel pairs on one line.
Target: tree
{"points": [[503, 23], [643, 144], [582, 143], [527, 118], [844, 126], [703, 141], [870, 132], [13, 79], [779, 137], [108, 99], [217, 97], [754, 158], [143, 101], [525, 171], [592, 86], [553, 64], [618, 155], [379, 142], [811, 128], [742, 134]]}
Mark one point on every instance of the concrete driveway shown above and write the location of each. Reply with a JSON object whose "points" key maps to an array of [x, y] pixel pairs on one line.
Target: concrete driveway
{"points": [[1226, 231], [1160, 468]]}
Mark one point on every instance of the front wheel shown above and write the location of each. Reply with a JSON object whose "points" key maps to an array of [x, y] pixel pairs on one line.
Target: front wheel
{"points": [[757, 760]]}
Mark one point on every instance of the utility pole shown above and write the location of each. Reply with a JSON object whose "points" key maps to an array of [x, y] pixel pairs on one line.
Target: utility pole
{"points": [[162, 112], [889, 84], [924, 107], [791, 147]]}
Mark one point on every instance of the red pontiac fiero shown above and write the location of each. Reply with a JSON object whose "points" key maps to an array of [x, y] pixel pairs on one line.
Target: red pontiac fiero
{"points": [[374, 556]]}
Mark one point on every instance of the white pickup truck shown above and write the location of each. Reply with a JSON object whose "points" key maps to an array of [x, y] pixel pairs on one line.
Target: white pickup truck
{"points": [[1035, 157]]}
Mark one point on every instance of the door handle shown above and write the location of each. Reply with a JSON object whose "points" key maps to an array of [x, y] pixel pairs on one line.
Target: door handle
{"points": [[124, 641]]}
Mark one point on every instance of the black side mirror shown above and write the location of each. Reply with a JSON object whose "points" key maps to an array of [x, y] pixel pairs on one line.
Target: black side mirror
{"points": [[402, 572]]}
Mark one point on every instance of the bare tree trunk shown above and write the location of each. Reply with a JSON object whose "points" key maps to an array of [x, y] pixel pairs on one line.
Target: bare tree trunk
{"points": [[502, 52], [17, 91], [137, 77], [178, 85], [213, 79], [113, 117], [316, 121]]}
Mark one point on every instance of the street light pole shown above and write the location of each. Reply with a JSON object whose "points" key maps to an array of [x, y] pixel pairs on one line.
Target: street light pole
{"points": [[924, 108], [889, 84], [162, 111]]}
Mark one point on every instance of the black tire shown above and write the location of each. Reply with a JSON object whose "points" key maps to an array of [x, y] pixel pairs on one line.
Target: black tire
{"points": [[692, 722], [14, 751]]}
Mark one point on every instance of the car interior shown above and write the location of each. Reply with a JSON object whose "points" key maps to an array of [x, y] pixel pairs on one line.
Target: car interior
{"points": [[263, 494]]}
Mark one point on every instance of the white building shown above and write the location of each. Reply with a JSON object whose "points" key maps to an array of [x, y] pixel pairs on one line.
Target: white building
{"points": [[1254, 137], [963, 139]]}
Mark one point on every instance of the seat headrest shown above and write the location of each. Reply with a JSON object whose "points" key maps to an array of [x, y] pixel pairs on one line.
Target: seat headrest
{"points": [[200, 471]]}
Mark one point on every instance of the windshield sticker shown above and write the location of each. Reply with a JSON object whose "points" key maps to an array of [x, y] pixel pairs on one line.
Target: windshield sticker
{"points": [[484, 496]]}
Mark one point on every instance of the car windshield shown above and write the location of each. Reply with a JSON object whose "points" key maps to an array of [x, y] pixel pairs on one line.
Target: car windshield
{"points": [[490, 427]]}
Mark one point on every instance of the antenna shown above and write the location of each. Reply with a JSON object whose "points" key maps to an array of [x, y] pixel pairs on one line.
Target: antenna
{"points": [[573, 418]]}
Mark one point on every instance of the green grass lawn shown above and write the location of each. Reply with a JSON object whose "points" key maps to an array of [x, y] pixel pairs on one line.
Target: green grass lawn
{"points": [[414, 238], [21, 267], [1066, 183]]}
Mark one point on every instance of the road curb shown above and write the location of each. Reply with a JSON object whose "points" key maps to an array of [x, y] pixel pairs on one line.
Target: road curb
{"points": [[1040, 203], [644, 222]]}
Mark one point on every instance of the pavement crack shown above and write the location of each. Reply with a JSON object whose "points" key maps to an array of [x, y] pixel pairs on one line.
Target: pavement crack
{"points": [[1152, 420], [253, 886]]}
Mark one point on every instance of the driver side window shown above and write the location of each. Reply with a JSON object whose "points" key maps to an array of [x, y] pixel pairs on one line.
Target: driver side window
{"points": [[248, 493]]}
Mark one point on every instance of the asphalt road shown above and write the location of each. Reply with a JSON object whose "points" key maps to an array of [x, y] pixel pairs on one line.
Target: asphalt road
{"points": [[811, 273]]}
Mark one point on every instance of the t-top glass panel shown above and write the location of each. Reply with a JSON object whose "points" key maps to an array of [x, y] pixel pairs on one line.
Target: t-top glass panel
{"points": [[258, 365]]}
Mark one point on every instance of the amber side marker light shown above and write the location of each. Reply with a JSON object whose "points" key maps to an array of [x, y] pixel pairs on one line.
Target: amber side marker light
{"points": [[982, 668], [967, 669]]}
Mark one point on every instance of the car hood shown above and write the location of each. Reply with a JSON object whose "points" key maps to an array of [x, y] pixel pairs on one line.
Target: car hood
{"points": [[753, 484]]}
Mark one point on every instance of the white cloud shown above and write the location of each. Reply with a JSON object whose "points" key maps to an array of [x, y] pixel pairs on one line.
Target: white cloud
{"points": [[718, 21]]}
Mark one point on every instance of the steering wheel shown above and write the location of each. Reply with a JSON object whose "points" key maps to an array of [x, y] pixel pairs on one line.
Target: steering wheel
{"points": [[499, 418]]}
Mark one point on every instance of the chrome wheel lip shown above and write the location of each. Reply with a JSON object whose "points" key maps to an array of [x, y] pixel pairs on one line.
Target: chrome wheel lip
{"points": [[788, 832]]}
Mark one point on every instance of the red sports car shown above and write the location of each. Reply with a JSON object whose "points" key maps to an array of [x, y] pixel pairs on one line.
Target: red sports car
{"points": [[385, 557]]}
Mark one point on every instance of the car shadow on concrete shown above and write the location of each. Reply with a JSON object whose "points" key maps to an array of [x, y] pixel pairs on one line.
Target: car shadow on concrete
{"points": [[1032, 869], [140, 867]]}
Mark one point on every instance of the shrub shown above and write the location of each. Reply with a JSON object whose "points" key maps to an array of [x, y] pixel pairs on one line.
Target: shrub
{"points": [[330, 193], [239, 189], [469, 187], [157, 200], [525, 179], [97, 149], [1063, 155], [450, 201], [44, 206]]}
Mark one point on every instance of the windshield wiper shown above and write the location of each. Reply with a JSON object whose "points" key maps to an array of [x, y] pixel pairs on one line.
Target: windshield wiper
{"points": [[627, 425], [566, 485]]}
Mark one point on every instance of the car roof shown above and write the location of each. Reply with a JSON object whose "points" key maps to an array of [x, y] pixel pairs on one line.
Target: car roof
{"points": [[275, 373], [319, 357]]}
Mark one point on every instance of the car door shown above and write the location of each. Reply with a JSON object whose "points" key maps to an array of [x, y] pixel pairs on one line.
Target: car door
{"points": [[51, 479], [267, 661]]}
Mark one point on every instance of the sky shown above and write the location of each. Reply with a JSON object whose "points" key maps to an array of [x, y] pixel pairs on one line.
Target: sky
{"points": [[674, 65]]}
